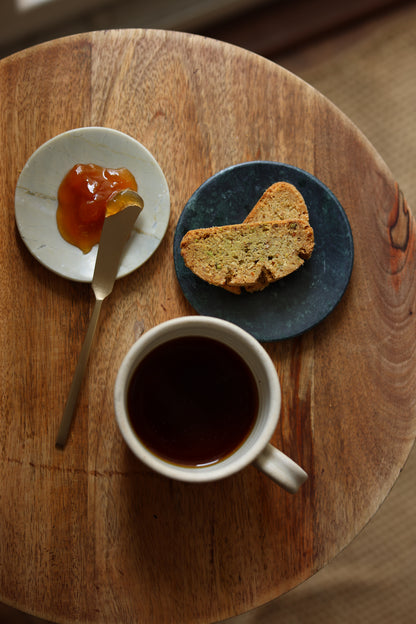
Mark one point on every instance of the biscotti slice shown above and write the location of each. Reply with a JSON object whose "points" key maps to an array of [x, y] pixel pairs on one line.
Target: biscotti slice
{"points": [[280, 201], [247, 255]]}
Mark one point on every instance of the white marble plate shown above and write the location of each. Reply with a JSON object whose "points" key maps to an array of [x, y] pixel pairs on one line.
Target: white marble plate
{"points": [[37, 189]]}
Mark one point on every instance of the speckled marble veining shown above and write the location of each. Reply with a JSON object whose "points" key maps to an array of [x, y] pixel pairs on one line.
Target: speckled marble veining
{"points": [[36, 199]]}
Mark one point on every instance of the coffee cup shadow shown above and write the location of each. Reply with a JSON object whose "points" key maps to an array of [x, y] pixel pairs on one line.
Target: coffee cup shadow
{"points": [[179, 537]]}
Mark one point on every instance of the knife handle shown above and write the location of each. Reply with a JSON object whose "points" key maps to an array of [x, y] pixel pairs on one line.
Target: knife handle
{"points": [[71, 402]]}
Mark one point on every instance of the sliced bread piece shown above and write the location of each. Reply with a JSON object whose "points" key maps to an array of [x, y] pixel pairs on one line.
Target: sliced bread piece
{"points": [[247, 255], [280, 201]]}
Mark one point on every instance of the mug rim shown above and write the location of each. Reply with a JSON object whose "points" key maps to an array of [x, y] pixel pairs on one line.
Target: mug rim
{"points": [[196, 326]]}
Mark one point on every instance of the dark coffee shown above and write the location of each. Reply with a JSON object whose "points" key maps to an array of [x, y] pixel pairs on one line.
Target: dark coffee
{"points": [[192, 401]]}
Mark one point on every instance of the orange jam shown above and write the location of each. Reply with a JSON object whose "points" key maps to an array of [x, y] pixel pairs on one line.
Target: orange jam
{"points": [[82, 202]]}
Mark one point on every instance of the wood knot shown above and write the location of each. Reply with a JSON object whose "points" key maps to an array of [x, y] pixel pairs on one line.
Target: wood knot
{"points": [[399, 222], [400, 236]]}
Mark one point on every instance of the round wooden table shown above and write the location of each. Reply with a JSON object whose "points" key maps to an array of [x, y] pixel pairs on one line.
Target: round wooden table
{"points": [[89, 534]]}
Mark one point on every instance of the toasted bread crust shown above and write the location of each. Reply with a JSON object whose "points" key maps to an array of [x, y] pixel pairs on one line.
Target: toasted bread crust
{"points": [[247, 255], [279, 202]]}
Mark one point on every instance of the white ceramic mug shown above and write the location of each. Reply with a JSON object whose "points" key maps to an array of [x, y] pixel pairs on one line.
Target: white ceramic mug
{"points": [[256, 448]]}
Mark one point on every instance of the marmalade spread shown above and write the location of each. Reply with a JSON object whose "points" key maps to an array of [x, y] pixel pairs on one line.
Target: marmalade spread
{"points": [[82, 202]]}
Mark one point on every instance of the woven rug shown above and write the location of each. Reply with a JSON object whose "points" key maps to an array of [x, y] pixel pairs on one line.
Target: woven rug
{"points": [[373, 580]]}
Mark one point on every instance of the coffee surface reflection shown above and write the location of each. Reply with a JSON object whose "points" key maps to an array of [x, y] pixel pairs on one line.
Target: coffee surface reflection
{"points": [[192, 401]]}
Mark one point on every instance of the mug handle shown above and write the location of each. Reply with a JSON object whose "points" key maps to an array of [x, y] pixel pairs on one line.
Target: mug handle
{"points": [[280, 468]]}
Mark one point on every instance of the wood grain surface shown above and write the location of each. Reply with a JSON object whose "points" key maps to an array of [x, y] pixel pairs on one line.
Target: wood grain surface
{"points": [[89, 534]]}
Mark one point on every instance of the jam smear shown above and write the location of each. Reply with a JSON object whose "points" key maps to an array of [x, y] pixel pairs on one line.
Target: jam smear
{"points": [[82, 202]]}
